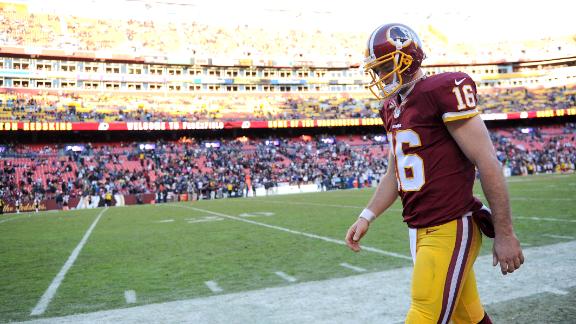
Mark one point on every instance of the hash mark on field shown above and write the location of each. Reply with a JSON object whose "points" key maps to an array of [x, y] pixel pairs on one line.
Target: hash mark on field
{"points": [[213, 285], [285, 276], [204, 219], [323, 238], [165, 221], [351, 267], [547, 219], [559, 236], [40, 308], [130, 296]]}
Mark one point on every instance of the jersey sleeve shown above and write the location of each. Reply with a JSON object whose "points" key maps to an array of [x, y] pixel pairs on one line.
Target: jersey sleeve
{"points": [[456, 97]]}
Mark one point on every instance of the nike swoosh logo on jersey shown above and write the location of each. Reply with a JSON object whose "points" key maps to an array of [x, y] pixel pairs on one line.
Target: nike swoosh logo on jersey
{"points": [[431, 230], [459, 81]]}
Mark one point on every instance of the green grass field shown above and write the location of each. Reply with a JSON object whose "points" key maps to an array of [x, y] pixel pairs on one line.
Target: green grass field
{"points": [[168, 252]]}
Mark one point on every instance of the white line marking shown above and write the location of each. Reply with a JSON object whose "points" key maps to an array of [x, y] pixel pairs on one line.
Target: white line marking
{"points": [[521, 198], [334, 304], [539, 190], [323, 238], [130, 296], [257, 214], [285, 276], [165, 221], [517, 180], [351, 267], [555, 291], [51, 291], [559, 236], [205, 219], [320, 204], [213, 285], [8, 219], [547, 219], [309, 204]]}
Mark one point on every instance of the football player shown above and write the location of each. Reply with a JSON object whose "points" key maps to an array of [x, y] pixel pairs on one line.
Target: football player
{"points": [[437, 139]]}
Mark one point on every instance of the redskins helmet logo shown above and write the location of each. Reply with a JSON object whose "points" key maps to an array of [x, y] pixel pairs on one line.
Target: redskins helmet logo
{"points": [[401, 36]]}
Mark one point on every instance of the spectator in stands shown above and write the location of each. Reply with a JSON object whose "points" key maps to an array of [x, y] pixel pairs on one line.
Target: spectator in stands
{"points": [[291, 161]]}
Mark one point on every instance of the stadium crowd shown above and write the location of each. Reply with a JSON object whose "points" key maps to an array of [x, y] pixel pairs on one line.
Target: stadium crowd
{"points": [[528, 151], [53, 30], [108, 107], [235, 168]]}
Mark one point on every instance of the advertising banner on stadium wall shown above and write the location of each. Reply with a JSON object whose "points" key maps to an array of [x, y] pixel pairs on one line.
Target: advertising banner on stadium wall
{"points": [[51, 204], [244, 124]]}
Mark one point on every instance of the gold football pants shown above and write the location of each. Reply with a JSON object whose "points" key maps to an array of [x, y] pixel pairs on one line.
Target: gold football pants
{"points": [[443, 281]]}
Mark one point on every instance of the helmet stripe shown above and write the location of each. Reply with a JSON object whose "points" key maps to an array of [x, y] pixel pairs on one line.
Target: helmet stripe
{"points": [[371, 41]]}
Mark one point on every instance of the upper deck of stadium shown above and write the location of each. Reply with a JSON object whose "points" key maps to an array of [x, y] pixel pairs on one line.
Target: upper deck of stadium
{"points": [[178, 31]]}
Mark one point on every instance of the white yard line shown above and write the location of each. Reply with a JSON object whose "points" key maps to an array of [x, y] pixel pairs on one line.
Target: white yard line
{"points": [[547, 219], [535, 177], [523, 198], [130, 296], [213, 286], [309, 204], [377, 297], [539, 190], [285, 276], [559, 236], [518, 179], [555, 291], [45, 300], [351, 267], [9, 219], [323, 238], [319, 204]]}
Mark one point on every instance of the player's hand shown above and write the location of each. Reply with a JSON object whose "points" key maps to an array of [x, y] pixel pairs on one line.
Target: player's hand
{"points": [[355, 233], [507, 252]]}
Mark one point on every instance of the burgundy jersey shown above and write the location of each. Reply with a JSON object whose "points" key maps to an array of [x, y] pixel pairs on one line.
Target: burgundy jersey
{"points": [[435, 178]]}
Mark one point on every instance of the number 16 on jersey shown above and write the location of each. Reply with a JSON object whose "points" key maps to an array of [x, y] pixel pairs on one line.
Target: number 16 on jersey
{"points": [[409, 167]]}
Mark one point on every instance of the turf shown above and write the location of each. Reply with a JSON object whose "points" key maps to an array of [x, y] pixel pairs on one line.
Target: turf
{"points": [[167, 252]]}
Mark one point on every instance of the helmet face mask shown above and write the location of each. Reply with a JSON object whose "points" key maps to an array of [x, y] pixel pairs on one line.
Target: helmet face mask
{"points": [[386, 73], [393, 56]]}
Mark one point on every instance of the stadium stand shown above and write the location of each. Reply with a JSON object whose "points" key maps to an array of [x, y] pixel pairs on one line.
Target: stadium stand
{"points": [[22, 27], [229, 168], [46, 106], [61, 67]]}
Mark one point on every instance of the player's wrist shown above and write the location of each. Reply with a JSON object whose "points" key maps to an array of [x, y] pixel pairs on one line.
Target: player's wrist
{"points": [[368, 215]]}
